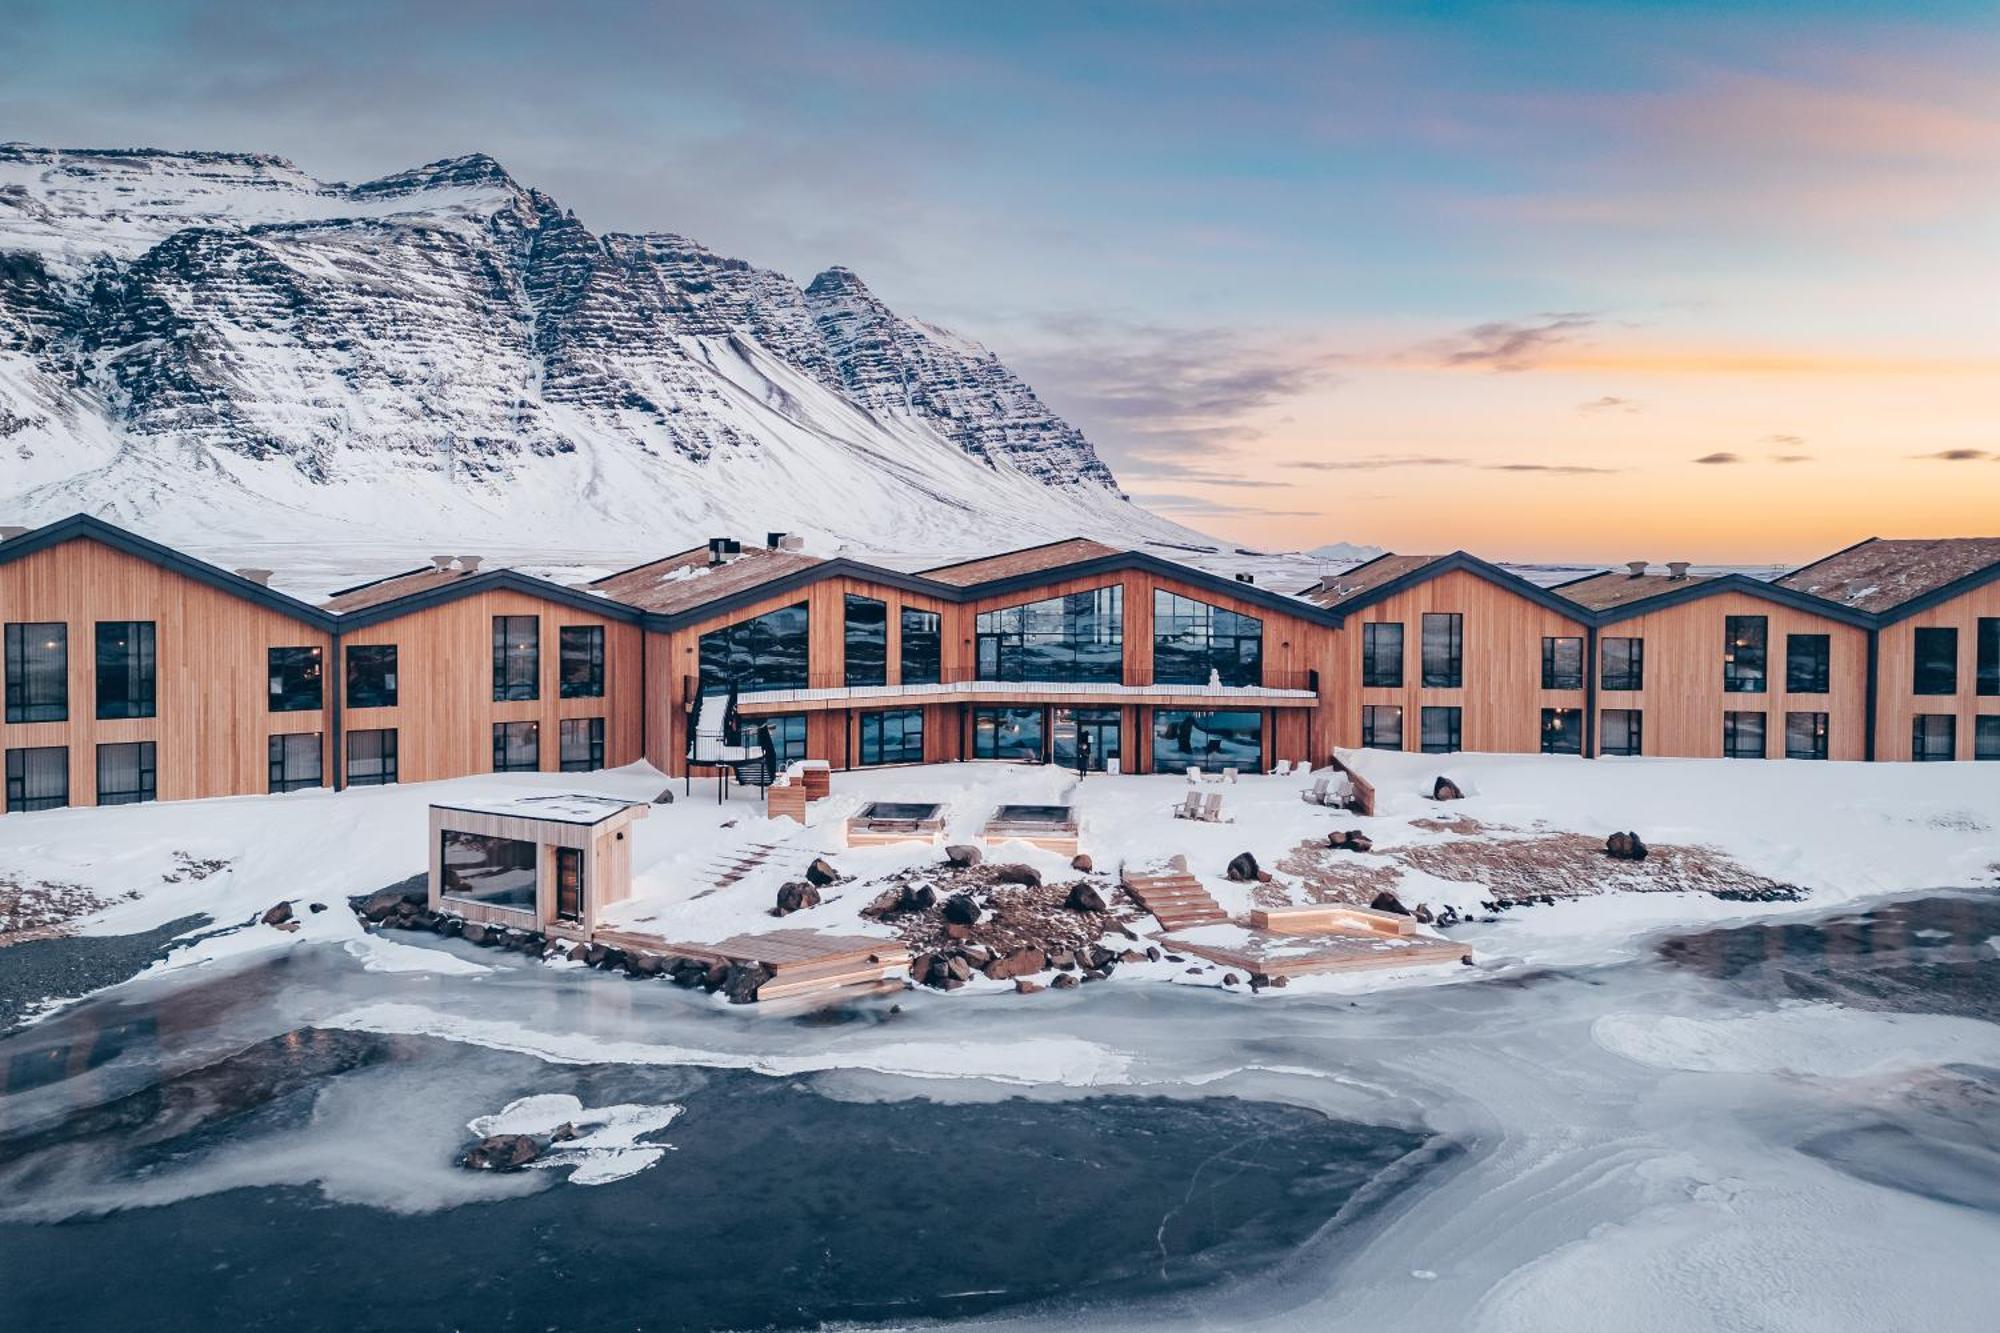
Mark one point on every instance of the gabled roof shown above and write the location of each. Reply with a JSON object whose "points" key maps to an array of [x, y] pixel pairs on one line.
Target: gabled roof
{"points": [[1607, 589], [686, 581], [1889, 576], [408, 583], [1336, 589], [1694, 589], [1386, 575], [1027, 560], [410, 600]]}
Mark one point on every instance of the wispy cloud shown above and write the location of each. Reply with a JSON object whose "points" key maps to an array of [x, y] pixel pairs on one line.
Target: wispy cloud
{"points": [[1503, 345], [1608, 403], [1171, 502], [1720, 456], [1959, 455], [1387, 462]]}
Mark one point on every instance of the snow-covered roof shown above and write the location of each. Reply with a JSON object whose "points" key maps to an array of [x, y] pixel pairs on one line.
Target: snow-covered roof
{"points": [[558, 807], [686, 580], [1881, 574], [1029, 560]]}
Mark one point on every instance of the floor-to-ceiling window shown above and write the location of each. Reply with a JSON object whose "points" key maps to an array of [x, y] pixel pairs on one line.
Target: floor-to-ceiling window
{"points": [[1744, 640], [371, 757], [867, 636], [371, 675], [1079, 637], [488, 871], [1208, 741], [787, 731], [894, 736], [580, 744], [1805, 735], [1986, 736], [1742, 735], [1438, 729], [1623, 663], [37, 655], [766, 652], [1621, 731], [1195, 643], [517, 747], [1382, 654], [1808, 663], [517, 657], [1443, 647], [37, 777], [1381, 727], [1935, 668], [127, 669], [1100, 728], [127, 772], [922, 649], [1007, 733], [580, 658], [1934, 737], [1562, 662], [1562, 731], [1988, 674], [294, 761]]}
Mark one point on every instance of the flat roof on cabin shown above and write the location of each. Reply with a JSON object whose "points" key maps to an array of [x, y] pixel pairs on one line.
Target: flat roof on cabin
{"points": [[686, 580], [1601, 592], [555, 807], [1881, 574], [1028, 560], [1365, 577]]}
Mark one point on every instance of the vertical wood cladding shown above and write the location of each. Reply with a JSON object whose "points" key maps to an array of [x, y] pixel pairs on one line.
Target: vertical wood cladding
{"points": [[1897, 701]]}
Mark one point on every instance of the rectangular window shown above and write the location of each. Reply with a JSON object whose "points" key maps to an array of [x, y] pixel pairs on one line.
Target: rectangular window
{"points": [[38, 673], [295, 680], [1439, 730], [867, 639], [569, 883], [517, 747], [371, 675], [787, 731], [1808, 663], [1622, 731], [1381, 727], [1936, 655], [295, 762], [580, 661], [1986, 736], [492, 872], [582, 743], [1805, 735], [922, 652], [1443, 650], [766, 652], [1382, 655], [1207, 741], [517, 657], [1195, 643], [1933, 737], [1989, 655], [1562, 731], [1078, 637], [895, 737], [371, 758], [1624, 665], [1743, 652], [1562, 663], [127, 773], [38, 777], [127, 669], [1743, 735], [1007, 733]]}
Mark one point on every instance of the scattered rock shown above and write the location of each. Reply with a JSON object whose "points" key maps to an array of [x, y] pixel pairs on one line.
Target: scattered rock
{"points": [[958, 969], [315, 908], [1279, 983], [474, 933], [1242, 869], [1083, 897], [1638, 847], [1386, 901], [821, 873], [1016, 873], [563, 1133], [1350, 840], [578, 953], [963, 856], [959, 909], [795, 896], [500, 1152], [1023, 986], [1062, 960], [741, 981], [1178, 861], [1153, 954], [1018, 964], [1082, 862], [666, 796], [1444, 789], [917, 898], [1422, 912], [1230, 979], [277, 914], [1062, 981], [957, 930], [1132, 956], [415, 891]]}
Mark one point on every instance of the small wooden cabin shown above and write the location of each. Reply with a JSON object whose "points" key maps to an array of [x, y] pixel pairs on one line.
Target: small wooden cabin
{"points": [[534, 862]]}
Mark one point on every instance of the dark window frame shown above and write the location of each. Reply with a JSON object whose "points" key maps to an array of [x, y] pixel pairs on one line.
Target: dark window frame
{"points": [[1633, 720], [146, 771], [592, 747], [1195, 640], [134, 671], [1382, 663], [1809, 671], [771, 651], [986, 722], [876, 747], [864, 625], [35, 693], [506, 742], [1986, 736], [1562, 662], [517, 659], [278, 754], [1925, 746], [1453, 717], [17, 764], [1373, 731], [297, 679], [1074, 638], [1562, 731], [372, 675], [1622, 663], [1986, 663], [519, 871], [1736, 730], [1934, 669], [387, 772], [1444, 669], [580, 661], [1806, 734], [1746, 654], [920, 652], [1177, 726]]}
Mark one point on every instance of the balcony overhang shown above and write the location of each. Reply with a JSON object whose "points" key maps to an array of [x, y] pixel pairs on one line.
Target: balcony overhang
{"points": [[1203, 697]]}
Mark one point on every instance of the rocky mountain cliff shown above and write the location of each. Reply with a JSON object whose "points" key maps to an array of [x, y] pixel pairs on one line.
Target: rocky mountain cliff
{"points": [[219, 343]]}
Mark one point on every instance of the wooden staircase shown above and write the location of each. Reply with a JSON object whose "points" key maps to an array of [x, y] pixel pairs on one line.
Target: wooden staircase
{"points": [[1175, 897]]}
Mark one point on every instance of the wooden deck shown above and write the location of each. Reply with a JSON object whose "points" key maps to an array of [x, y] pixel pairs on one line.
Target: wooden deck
{"points": [[802, 962], [1330, 918], [1175, 898], [889, 832], [1310, 955]]}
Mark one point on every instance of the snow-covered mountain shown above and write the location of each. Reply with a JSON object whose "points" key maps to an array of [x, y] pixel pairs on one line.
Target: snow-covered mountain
{"points": [[219, 347]]}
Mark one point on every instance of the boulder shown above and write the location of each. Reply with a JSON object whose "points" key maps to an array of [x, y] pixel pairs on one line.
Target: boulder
{"points": [[1178, 861], [1020, 963], [795, 896], [500, 1152], [277, 914], [1444, 789], [1242, 869], [1023, 986], [642, 965], [1230, 979], [1082, 863], [1350, 840], [1132, 956], [1062, 960], [1062, 981], [578, 952], [315, 908], [1016, 873], [1638, 847], [564, 1132], [666, 796], [917, 898], [957, 930], [1625, 847], [959, 909], [1422, 912], [961, 855], [920, 967], [384, 902], [741, 981], [1083, 897], [1386, 901], [957, 968], [473, 933], [821, 873], [1095, 974], [1153, 954]]}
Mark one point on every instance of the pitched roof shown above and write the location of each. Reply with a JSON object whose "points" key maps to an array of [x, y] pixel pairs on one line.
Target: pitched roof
{"points": [[408, 583], [1602, 591], [1881, 575], [684, 581], [1335, 589], [1028, 560]]}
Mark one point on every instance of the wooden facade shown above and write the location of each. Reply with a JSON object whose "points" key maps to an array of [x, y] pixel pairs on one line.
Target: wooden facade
{"points": [[1898, 703], [605, 869]]}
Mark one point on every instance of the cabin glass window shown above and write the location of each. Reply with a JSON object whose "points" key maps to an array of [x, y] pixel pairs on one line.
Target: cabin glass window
{"points": [[1624, 663], [1742, 735], [128, 670], [38, 777], [1444, 650], [1934, 737], [1621, 731], [371, 757], [788, 735], [371, 675], [767, 652], [1562, 663], [1808, 663], [295, 762], [1936, 670], [1195, 643], [1207, 741], [1381, 727], [1986, 736], [1562, 731], [893, 737], [127, 773], [1438, 730], [491, 872], [922, 648], [582, 744], [580, 661], [1743, 653], [1007, 733], [296, 680], [37, 655], [1382, 655], [1805, 735], [517, 657], [867, 641], [1079, 638], [1989, 656], [517, 747]]}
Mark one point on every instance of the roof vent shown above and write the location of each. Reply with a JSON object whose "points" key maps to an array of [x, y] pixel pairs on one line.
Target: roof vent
{"points": [[1637, 568], [9, 531], [470, 563], [720, 549], [775, 540], [1246, 578], [1677, 569], [440, 563], [260, 577]]}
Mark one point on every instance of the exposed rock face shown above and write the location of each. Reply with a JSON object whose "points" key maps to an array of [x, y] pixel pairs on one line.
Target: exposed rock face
{"points": [[500, 1152]]}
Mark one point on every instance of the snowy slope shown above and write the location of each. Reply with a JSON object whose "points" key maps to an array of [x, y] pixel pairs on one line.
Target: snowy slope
{"points": [[218, 349]]}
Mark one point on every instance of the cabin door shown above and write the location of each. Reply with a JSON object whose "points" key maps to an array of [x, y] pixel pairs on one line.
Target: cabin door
{"points": [[569, 883]]}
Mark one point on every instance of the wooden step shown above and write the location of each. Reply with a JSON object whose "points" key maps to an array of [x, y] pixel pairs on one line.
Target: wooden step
{"points": [[1176, 900]]}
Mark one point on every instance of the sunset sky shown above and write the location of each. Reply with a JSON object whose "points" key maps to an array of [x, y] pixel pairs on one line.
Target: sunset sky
{"points": [[1707, 281]]}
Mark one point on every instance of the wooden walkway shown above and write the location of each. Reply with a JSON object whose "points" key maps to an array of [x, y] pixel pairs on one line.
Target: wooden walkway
{"points": [[1306, 955], [802, 962], [1175, 897], [736, 863]]}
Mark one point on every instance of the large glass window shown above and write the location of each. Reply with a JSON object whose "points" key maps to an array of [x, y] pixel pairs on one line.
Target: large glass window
{"points": [[767, 652], [517, 657], [295, 761], [1079, 637], [1933, 737], [1194, 643], [923, 647], [296, 680], [1381, 727], [1624, 663], [1101, 729], [517, 747], [1936, 670], [582, 744], [1623, 731], [1743, 654], [1443, 650], [580, 661], [38, 672], [1007, 733], [788, 735], [1438, 730], [1986, 736], [1562, 663], [371, 675], [1208, 741], [1805, 734], [1743, 735], [1808, 663], [1989, 655], [893, 737], [1382, 654], [493, 872], [1562, 731], [867, 640], [127, 669], [38, 777], [371, 758], [127, 773]]}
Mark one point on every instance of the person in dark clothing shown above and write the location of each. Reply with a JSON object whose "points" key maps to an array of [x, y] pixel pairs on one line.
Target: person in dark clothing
{"points": [[1082, 753]]}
